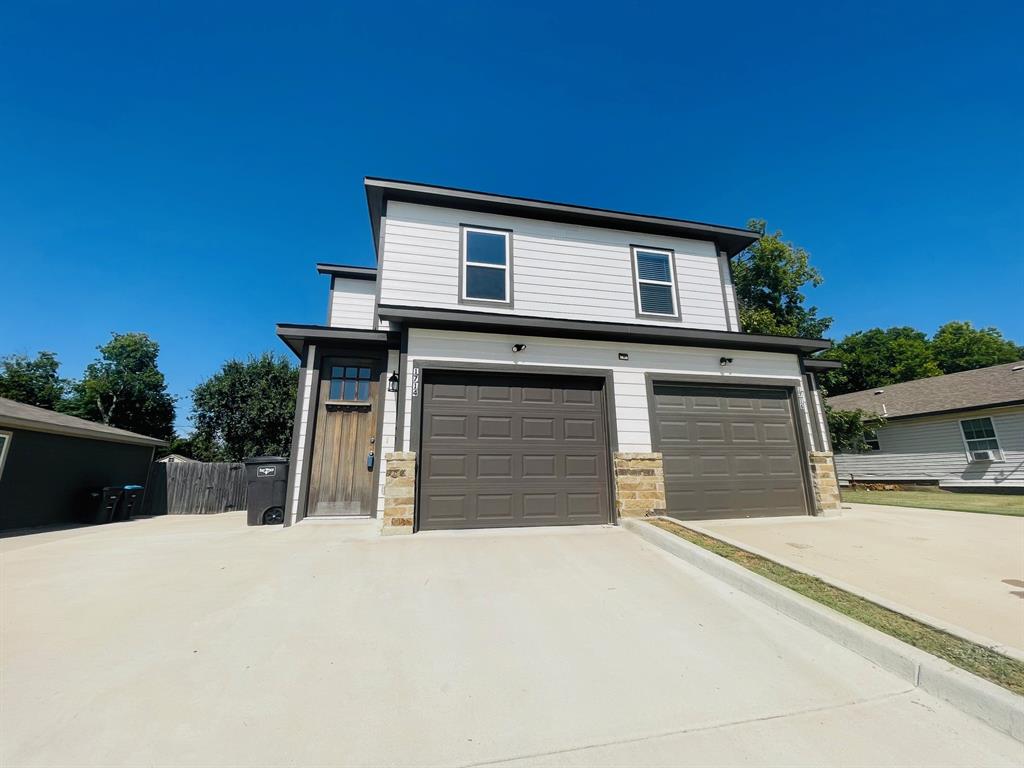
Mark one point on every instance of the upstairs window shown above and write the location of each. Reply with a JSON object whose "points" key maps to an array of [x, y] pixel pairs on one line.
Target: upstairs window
{"points": [[655, 277], [486, 265], [980, 436]]}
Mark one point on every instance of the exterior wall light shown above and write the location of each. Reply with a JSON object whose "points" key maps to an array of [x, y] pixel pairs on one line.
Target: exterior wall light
{"points": [[393, 382], [725, 361], [518, 347], [623, 355]]}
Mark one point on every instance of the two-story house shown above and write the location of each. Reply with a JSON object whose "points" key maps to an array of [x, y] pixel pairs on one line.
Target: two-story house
{"points": [[514, 362]]}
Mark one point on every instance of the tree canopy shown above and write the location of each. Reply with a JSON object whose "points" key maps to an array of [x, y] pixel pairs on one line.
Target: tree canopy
{"points": [[769, 278], [246, 409], [959, 346], [876, 358], [33, 381], [124, 388]]}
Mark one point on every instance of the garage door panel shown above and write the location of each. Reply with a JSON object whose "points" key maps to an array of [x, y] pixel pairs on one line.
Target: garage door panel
{"points": [[495, 466], [535, 452], [581, 429], [447, 466], [538, 428], [540, 467], [495, 506], [744, 458]]}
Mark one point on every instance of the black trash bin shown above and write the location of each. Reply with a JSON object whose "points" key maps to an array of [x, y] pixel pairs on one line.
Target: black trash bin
{"points": [[99, 505], [131, 502], [266, 483]]}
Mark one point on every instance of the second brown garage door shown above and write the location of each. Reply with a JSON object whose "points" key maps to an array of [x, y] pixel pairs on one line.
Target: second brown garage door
{"points": [[512, 450], [728, 451]]}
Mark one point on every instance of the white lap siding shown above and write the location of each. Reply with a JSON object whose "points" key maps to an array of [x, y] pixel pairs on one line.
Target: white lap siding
{"points": [[932, 448], [559, 270], [353, 303], [631, 415], [386, 442]]}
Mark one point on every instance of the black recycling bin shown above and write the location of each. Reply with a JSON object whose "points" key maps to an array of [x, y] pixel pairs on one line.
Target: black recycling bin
{"points": [[131, 502], [99, 505], [266, 482]]}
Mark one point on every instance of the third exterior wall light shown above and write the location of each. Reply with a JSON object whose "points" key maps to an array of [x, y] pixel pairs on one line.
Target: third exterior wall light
{"points": [[393, 382]]}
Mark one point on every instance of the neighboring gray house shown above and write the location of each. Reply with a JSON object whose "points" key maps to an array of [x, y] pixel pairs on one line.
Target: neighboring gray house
{"points": [[47, 460], [963, 430], [515, 362]]}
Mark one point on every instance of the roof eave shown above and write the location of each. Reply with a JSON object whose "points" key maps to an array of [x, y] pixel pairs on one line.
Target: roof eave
{"points": [[580, 329], [296, 336], [732, 240]]}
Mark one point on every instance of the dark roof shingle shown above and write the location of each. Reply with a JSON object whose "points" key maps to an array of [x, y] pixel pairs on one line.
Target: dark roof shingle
{"points": [[20, 416], [995, 385]]}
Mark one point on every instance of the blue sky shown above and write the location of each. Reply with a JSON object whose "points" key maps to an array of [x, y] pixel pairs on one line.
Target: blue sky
{"points": [[178, 169]]}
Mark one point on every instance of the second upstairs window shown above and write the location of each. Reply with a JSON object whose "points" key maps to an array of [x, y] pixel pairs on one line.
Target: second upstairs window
{"points": [[655, 275], [486, 265]]}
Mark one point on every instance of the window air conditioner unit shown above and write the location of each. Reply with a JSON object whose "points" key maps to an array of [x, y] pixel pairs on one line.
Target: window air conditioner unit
{"points": [[983, 455]]}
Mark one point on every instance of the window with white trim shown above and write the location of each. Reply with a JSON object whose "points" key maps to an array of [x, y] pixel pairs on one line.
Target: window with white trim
{"points": [[486, 265], [5, 443], [655, 278], [980, 435]]}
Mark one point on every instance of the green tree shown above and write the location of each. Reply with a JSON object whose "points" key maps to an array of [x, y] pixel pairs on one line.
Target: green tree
{"points": [[246, 409], [876, 358], [850, 429], [959, 346], [769, 277], [33, 381], [124, 388]]}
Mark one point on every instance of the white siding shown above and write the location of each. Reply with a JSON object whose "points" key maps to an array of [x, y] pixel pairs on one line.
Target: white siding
{"points": [[298, 451], [628, 376], [730, 299], [932, 448], [352, 302], [559, 270]]}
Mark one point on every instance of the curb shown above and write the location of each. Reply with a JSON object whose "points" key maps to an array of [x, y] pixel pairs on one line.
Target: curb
{"points": [[994, 706], [923, 618]]}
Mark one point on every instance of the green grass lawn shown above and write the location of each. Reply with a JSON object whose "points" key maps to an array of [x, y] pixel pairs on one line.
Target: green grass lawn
{"points": [[992, 503], [981, 661]]}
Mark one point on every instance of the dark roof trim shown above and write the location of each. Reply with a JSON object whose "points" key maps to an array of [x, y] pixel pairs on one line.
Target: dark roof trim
{"points": [[814, 364], [732, 240], [641, 334], [343, 270], [947, 411], [295, 335]]}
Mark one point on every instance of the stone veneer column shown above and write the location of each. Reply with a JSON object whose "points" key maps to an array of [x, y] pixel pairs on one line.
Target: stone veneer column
{"points": [[399, 493], [639, 484], [825, 485]]}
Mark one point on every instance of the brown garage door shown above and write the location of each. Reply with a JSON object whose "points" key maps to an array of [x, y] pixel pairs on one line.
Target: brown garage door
{"points": [[728, 451], [502, 450]]}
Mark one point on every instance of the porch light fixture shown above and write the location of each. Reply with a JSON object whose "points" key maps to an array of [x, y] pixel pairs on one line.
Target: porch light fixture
{"points": [[725, 361], [393, 382], [518, 347], [623, 355]]}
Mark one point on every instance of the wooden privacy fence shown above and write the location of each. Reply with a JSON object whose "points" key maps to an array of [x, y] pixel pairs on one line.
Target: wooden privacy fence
{"points": [[195, 488]]}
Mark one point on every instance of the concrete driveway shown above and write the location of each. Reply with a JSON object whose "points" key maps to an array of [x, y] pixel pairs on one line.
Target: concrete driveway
{"points": [[193, 641], [961, 571]]}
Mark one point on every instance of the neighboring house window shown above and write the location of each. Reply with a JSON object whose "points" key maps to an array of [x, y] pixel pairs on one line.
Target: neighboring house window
{"points": [[486, 265], [348, 383], [655, 278], [980, 435], [5, 442], [871, 440]]}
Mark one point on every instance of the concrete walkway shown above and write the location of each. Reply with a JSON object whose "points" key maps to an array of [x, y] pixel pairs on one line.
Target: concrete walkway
{"points": [[194, 641], [963, 571]]}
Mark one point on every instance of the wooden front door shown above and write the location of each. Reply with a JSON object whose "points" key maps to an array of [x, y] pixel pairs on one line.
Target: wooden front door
{"points": [[341, 477]]}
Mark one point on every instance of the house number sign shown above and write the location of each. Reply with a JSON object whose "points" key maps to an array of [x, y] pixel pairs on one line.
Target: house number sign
{"points": [[415, 382]]}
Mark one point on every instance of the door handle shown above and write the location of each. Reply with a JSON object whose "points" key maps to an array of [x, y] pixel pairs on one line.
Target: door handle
{"points": [[369, 461]]}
